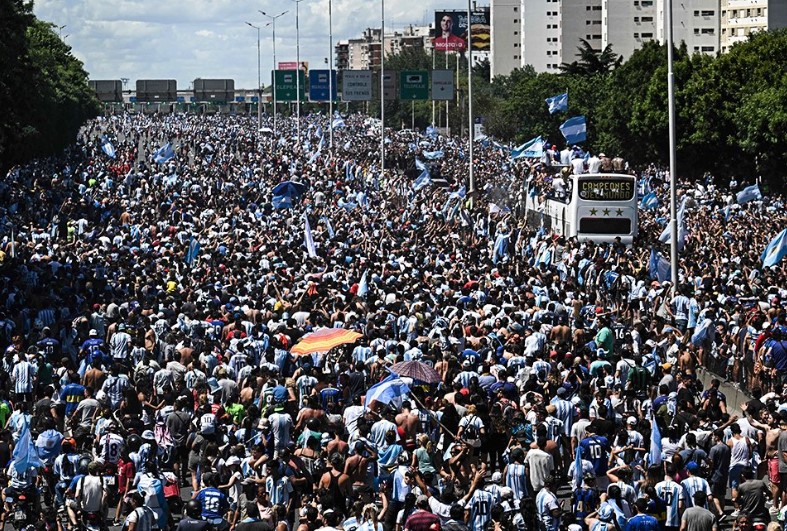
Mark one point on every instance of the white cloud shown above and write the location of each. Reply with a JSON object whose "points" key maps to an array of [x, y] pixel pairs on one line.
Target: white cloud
{"points": [[187, 39]]}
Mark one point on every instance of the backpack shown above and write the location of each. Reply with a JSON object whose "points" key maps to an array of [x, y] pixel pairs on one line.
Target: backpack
{"points": [[470, 435]]}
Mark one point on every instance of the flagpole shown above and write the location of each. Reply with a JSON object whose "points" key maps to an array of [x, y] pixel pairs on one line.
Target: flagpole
{"points": [[382, 90], [673, 177], [470, 123]]}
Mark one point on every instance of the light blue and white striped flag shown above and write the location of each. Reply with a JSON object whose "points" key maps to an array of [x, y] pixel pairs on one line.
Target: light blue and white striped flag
{"points": [[775, 250], [308, 239], [389, 391], [558, 103], [649, 201], [750, 193], [574, 130]]}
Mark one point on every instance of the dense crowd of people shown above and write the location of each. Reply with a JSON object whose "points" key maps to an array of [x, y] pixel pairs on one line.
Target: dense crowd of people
{"points": [[151, 305]]}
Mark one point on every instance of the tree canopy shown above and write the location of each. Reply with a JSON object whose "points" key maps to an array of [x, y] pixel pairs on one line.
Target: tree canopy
{"points": [[44, 92], [731, 117]]}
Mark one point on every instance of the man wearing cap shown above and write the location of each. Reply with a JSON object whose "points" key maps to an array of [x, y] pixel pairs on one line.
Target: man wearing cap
{"points": [[422, 518]]}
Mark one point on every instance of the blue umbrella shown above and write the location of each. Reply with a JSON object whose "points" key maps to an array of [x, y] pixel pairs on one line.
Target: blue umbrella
{"points": [[289, 189]]}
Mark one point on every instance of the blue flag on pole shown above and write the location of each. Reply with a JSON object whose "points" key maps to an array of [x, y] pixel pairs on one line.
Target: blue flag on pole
{"points": [[533, 148], [574, 130], [432, 155], [649, 201], [500, 248], [659, 268], [578, 467], [25, 455], [750, 193], [420, 165], [164, 154], [389, 391], [363, 285], [666, 234], [308, 240], [431, 132], [108, 148], [775, 250], [655, 442], [193, 251], [422, 181], [558, 103]]}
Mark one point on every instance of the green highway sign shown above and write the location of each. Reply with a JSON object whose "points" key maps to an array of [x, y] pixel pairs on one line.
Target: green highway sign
{"points": [[414, 85], [286, 85]]}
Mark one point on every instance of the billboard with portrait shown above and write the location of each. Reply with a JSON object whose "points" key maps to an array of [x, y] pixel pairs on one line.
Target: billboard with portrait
{"points": [[451, 31]]}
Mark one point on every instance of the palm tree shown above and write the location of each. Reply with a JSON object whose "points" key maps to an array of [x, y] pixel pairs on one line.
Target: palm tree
{"points": [[592, 61]]}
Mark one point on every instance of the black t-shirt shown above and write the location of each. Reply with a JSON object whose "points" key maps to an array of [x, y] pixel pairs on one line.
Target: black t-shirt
{"points": [[253, 525], [192, 524], [604, 427]]}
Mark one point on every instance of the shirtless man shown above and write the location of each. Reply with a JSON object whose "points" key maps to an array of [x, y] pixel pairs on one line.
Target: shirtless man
{"points": [[356, 467], [443, 366], [770, 425], [687, 362], [560, 334], [311, 411], [408, 423]]}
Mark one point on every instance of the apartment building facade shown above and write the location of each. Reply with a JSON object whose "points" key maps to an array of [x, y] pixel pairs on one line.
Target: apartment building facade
{"points": [[549, 31]]}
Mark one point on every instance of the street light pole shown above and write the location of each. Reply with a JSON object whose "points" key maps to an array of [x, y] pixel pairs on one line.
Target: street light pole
{"points": [[298, 71], [382, 90], [673, 177], [273, 23], [259, 80], [470, 124], [330, 74]]}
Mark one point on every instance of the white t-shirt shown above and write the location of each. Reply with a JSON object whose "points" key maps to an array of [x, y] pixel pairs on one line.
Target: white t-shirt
{"points": [[89, 492]]}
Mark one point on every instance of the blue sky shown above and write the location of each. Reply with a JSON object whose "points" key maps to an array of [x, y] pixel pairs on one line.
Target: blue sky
{"points": [[187, 39]]}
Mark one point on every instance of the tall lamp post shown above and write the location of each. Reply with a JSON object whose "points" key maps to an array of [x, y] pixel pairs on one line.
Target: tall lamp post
{"points": [[330, 72], [382, 90], [673, 177], [259, 80], [273, 24], [298, 71], [470, 124]]}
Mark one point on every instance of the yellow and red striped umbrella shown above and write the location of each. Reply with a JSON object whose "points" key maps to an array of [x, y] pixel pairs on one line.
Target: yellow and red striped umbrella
{"points": [[324, 340]]}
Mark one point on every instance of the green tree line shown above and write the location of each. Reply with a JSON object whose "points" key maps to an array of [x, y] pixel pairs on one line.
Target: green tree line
{"points": [[731, 108], [44, 94]]}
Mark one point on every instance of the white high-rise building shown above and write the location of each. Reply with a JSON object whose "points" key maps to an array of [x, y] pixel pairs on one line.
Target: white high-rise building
{"points": [[627, 24], [551, 30], [506, 42], [740, 18]]}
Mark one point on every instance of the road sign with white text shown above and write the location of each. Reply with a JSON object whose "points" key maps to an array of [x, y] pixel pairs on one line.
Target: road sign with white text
{"points": [[320, 85], [286, 85], [356, 85], [443, 85], [414, 85]]}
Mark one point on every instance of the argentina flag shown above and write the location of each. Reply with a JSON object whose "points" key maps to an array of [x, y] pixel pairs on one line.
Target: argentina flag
{"points": [[574, 130], [558, 103]]}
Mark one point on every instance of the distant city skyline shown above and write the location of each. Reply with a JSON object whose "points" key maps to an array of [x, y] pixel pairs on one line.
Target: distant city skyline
{"points": [[184, 40]]}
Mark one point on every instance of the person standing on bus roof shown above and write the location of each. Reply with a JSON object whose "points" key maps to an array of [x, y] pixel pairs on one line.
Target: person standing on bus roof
{"points": [[577, 165], [594, 164], [565, 156]]}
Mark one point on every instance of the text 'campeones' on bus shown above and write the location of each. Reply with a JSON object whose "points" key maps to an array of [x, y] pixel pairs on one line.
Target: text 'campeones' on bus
{"points": [[589, 207]]}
